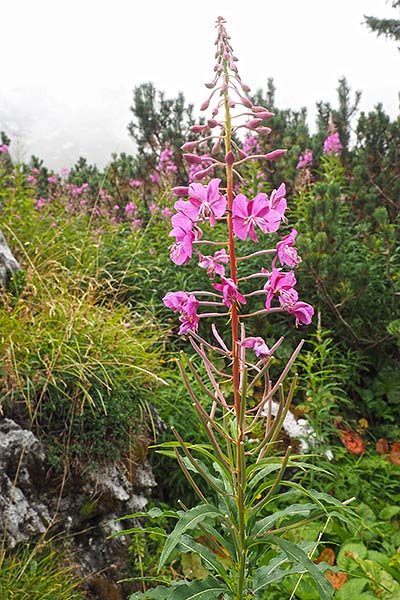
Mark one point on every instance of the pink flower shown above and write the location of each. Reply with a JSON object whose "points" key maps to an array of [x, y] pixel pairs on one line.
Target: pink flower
{"points": [[65, 171], [214, 264], [187, 305], [154, 178], [229, 291], [167, 213], [208, 200], [40, 203], [302, 311], [165, 163], [189, 317], [277, 200], [52, 179], [247, 214], [135, 182], [305, 159], [286, 253], [281, 284], [4, 148], [135, 224], [130, 210], [176, 301], [332, 144], [181, 250], [153, 208], [260, 348], [251, 145]]}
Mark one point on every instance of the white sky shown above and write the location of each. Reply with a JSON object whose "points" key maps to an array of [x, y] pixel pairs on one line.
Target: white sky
{"points": [[68, 67]]}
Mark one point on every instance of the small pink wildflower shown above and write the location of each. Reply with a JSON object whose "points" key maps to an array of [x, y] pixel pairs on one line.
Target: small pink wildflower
{"points": [[214, 264], [260, 348], [286, 253], [153, 208], [135, 224], [247, 214], [167, 212], [4, 148], [52, 179], [130, 210], [40, 203], [187, 305], [277, 200], [281, 284], [65, 171], [302, 311], [332, 144], [305, 160], [208, 200], [229, 291], [135, 183]]}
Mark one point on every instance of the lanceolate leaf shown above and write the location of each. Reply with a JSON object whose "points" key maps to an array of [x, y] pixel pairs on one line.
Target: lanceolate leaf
{"points": [[296, 554], [206, 589], [264, 525], [210, 560], [188, 521], [158, 593], [268, 574]]}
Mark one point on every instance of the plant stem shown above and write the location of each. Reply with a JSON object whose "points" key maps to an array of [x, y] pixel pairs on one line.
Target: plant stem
{"points": [[240, 409]]}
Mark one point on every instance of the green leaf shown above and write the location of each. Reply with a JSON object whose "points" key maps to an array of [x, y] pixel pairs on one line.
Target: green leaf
{"points": [[158, 593], [210, 560], [296, 554], [188, 521], [271, 573], [206, 589], [263, 525], [388, 512]]}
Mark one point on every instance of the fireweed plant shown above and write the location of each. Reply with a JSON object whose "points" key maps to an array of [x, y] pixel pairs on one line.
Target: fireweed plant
{"points": [[241, 533]]}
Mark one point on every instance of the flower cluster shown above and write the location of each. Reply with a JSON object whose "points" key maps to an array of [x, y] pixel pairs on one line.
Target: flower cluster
{"points": [[305, 160], [203, 206], [332, 144]]}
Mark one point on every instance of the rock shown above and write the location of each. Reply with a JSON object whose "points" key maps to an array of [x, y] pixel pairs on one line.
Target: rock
{"points": [[22, 512], [84, 510], [8, 264]]}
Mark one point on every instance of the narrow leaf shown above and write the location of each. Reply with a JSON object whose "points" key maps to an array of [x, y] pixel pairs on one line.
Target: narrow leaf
{"points": [[296, 554], [210, 560], [158, 593], [188, 521], [206, 589], [263, 525]]}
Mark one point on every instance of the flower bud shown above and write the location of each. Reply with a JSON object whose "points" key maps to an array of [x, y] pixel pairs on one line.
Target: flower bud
{"points": [[241, 154], [189, 146], [253, 123], [197, 128], [180, 190], [216, 147], [275, 154], [193, 159], [205, 104], [212, 123], [230, 158], [245, 87], [258, 109], [263, 130], [264, 114], [246, 102]]}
